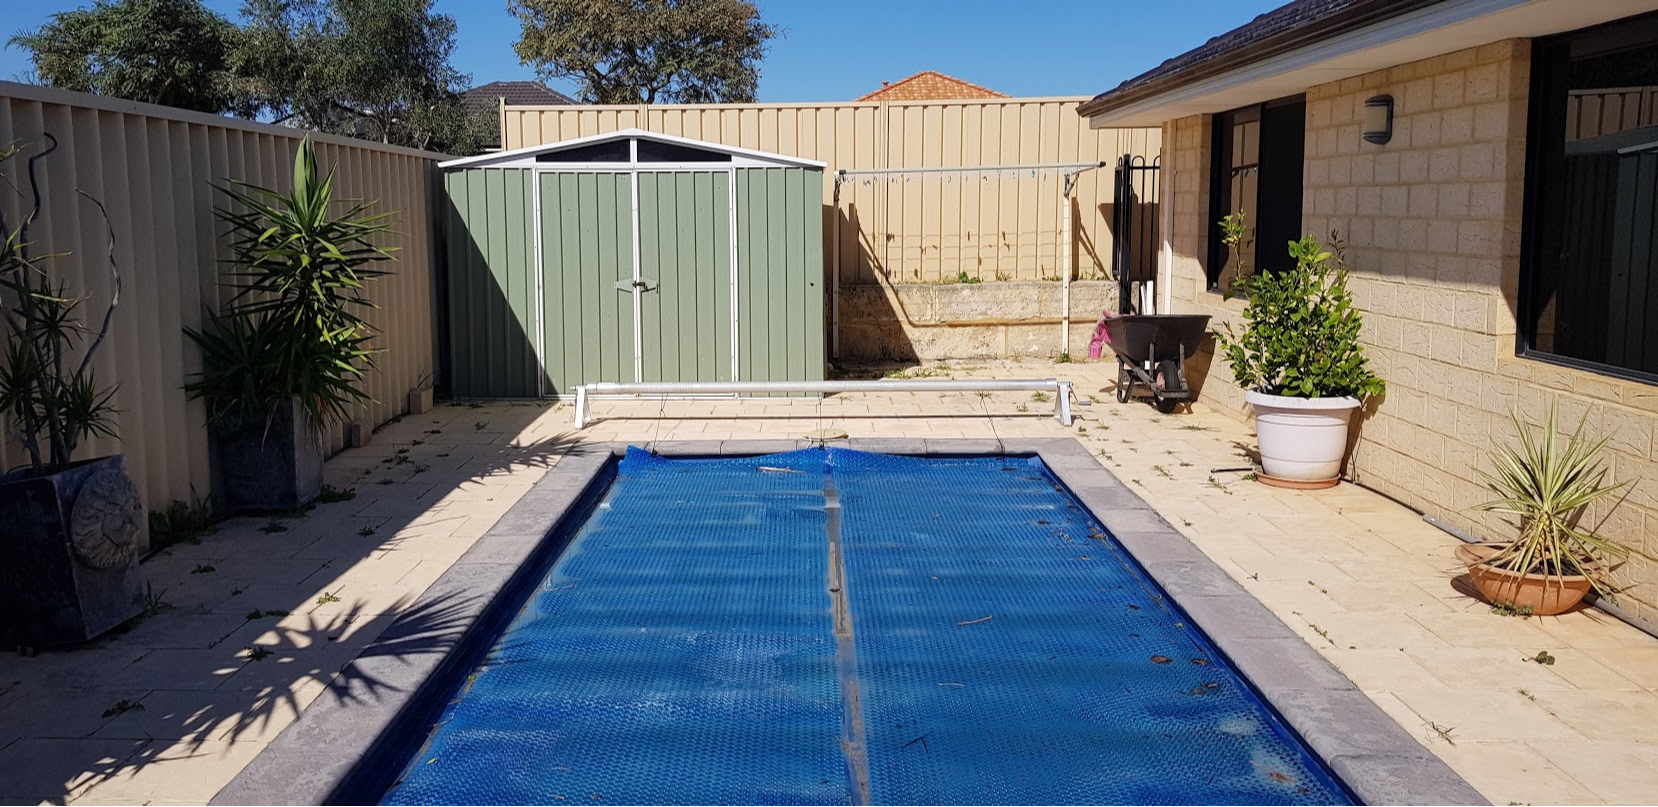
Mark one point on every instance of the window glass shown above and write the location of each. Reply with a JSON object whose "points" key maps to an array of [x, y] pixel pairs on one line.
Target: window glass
{"points": [[1590, 286], [654, 151], [1258, 153], [609, 151]]}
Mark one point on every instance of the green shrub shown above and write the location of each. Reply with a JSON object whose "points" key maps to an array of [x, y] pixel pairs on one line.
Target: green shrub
{"points": [[1301, 332]]}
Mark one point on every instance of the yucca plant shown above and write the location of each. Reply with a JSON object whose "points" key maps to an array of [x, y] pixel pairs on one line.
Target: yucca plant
{"points": [[1548, 482], [47, 393], [294, 328]]}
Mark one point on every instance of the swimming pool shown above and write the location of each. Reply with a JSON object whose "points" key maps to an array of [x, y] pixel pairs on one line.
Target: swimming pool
{"points": [[848, 627]]}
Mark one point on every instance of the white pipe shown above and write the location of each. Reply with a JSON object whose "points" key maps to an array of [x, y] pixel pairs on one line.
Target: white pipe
{"points": [[666, 389], [835, 277], [1166, 269], [1065, 271], [853, 172]]}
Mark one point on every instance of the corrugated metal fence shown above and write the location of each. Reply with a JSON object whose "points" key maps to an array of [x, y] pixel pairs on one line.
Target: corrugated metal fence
{"points": [[920, 228], [151, 166]]}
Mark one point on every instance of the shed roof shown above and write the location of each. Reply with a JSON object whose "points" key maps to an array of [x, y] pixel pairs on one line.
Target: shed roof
{"points": [[518, 156]]}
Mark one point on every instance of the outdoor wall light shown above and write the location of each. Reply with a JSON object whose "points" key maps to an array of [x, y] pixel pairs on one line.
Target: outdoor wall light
{"points": [[1378, 119]]}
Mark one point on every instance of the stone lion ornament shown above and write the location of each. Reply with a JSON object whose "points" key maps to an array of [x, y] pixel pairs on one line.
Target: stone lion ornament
{"points": [[104, 525]]}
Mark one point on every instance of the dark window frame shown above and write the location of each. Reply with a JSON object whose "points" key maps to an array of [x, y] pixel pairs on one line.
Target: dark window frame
{"points": [[1281, 144], [1546, 116]]}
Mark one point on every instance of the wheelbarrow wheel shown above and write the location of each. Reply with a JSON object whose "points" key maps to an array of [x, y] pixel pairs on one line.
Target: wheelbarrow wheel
{"points": [[1168, 380], [1123, 383]]}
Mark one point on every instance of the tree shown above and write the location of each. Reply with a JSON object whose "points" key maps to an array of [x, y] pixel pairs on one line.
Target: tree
{"points": [[376, 69], [647, 51], [172, 52]]}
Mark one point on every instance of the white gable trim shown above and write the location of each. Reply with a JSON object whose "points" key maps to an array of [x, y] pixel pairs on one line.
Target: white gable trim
{"points": [[525, 157]]}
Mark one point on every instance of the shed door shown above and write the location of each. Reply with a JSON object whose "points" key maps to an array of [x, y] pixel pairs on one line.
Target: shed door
{"points": [[685, 261], [586, 279]]}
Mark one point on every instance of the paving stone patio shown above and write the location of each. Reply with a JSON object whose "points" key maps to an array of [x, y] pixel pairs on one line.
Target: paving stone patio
{"points": [[170, 710]]}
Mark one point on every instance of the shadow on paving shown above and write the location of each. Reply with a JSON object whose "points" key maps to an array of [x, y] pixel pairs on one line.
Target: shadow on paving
{"points": [[257, 622]]}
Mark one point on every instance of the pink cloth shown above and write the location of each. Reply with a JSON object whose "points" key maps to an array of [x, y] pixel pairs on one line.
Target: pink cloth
{"points": [[1096, 345]]}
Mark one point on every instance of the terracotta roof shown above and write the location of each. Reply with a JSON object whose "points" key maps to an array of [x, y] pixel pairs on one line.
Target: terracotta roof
{"points": [[517, 93], [1283, 29], [930, 85]]}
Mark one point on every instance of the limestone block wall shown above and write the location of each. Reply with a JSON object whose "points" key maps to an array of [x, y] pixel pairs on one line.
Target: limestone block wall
{"points": [[1432, 224], [1003, 319]]}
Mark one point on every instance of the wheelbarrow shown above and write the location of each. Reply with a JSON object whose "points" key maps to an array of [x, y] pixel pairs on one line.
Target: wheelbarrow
{"points": [[1152, 350]]}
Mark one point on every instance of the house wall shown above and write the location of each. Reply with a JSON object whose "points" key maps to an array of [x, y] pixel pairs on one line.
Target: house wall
{"points": [[150, 167], [1432, 222]]}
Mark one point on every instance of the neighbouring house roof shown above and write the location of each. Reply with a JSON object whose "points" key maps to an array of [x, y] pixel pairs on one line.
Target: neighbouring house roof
{"points": [[516, 93], [930, 85], [1310, 42], [526, 157]]}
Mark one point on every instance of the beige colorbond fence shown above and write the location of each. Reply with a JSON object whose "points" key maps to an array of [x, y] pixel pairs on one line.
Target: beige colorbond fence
{"points": [[919, 227], [151, 166]]}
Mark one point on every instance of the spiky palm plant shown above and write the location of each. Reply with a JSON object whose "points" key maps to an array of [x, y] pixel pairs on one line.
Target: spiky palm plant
{"points": [[47, 392], [1548, 482], [294, 328]]}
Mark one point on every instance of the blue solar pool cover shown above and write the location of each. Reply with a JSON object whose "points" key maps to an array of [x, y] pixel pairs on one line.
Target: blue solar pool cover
{"points": [[1004, 650]]}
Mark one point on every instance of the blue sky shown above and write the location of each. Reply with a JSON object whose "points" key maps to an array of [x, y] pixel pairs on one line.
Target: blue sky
{"points": [[840, 49]]}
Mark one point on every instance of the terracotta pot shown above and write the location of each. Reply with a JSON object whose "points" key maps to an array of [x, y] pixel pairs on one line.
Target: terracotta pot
{"points": [[1542, 594]]}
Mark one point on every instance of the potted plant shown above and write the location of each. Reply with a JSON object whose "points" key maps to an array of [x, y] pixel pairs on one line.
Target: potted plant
{"points": [[1299, 361], [284, 358], [70, 529], [1548, 485]]}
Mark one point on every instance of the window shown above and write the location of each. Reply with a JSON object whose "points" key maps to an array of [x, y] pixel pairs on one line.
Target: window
{"points": [[1589, 268], [656, 151], [607, 151], [1258, 151]]}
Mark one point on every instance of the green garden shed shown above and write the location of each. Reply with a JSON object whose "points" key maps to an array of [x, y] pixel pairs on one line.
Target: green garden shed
{"points": [[632, 256]]}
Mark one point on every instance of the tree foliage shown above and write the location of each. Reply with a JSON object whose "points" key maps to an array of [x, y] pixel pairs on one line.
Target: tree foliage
{"points": [[647, 51], [171, 52], [377, 69]]}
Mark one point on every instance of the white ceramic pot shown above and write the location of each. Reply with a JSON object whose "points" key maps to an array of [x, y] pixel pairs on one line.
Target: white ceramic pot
{"points": [[1302, 439]]}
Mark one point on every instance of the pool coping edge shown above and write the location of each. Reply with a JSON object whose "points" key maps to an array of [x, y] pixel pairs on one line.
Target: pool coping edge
{"points": [[1373, 756]]}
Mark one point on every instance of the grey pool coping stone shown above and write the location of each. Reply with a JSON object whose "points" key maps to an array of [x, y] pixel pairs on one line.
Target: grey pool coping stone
{"points": [[1373, 756]]}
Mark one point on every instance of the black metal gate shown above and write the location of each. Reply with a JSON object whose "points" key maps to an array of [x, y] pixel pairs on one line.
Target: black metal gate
{"points": [[1135, 228]]}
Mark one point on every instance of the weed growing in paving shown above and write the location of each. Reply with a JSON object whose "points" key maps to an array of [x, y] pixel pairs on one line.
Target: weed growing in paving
{"points": [[327, 598], [153, 603], [331, 494], [258, 614], [258, 653], [1509, 609], [202, 568], [273, 526], [1040, 397], [366, 531], [180, 523]]}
